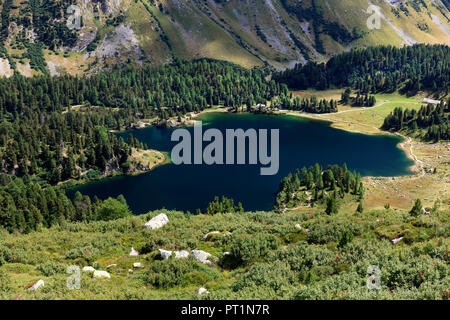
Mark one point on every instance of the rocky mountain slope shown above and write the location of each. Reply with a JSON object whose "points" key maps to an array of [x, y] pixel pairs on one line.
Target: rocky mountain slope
{"points": [[35, 37]]}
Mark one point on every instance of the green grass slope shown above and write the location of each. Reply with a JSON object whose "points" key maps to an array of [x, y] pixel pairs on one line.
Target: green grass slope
{"points": [[269, 257]]}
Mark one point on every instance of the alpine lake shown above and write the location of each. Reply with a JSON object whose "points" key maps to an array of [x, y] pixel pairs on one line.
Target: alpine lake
{"points": [[302, 142]]}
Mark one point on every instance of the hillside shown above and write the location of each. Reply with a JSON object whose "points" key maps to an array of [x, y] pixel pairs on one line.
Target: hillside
{"points": [[264, 256], [280, 33]]}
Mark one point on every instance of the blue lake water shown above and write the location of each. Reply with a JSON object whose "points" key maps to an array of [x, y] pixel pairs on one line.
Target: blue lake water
{"points": [[303, 142]]}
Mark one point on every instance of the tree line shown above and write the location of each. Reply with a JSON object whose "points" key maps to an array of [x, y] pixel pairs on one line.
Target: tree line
{"points": [[147, 91], [56, 128], [224, 205], [377, 69], [25, 206], [435, 120], [310, 105], [361, 100], [54, 147], [316, 184]]}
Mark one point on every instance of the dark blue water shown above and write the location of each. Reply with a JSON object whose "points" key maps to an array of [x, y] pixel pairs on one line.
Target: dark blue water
{"points": [[302, 143]]}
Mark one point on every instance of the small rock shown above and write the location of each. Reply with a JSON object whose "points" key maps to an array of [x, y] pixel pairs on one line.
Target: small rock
{"points": [[101, 274], [157, 222], [299, 227], [133, 252], [36, 285], [130, 270], [202, 291], [138, 265], [210, 235], [88, 269], [396, 240], [111, 265]]}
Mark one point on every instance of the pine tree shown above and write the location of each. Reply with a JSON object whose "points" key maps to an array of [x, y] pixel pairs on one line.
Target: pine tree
{"points": [[416, 209]]}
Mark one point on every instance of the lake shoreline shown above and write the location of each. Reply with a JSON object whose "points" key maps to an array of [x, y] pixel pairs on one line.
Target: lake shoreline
{"points": [[405, 145], [73, 183]]}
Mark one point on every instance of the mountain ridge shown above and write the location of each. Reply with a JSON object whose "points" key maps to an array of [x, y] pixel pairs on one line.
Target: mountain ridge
{"points": [[276, 33]]}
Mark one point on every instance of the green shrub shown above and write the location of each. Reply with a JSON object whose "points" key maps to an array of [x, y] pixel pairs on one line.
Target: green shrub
{"points": [[178, 272], [331, 230], [304, 257], [51, 268], [5, 255], [273, 276], [112, 209], [5, 285], [346, 237], [248, 247], [87, 253]]}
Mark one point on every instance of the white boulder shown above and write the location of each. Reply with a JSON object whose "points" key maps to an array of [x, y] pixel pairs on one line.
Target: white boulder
{"points": [[111, 266], [202, 291], [181, 254], [88, 269], [138, 265], [201, 256], [101, 274], [299, 227], [36, 285], [165, 254], [157, 222], [133, 252]]}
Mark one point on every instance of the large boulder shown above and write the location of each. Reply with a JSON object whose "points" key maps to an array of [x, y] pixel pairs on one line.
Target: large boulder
{"points": [[36, 285], [157, 222], [165, 254], [181, 254], [201, 256], [101, 274]]}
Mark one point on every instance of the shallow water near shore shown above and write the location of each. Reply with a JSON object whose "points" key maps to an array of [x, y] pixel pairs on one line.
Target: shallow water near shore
{"points": [[303, 142]]}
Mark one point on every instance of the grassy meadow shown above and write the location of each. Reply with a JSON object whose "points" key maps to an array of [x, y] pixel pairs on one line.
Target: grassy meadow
{"points": [[269, 257]]}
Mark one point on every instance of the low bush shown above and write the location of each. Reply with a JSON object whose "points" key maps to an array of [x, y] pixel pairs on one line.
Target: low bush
{"points": [[248, 247], [178, 272]]}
